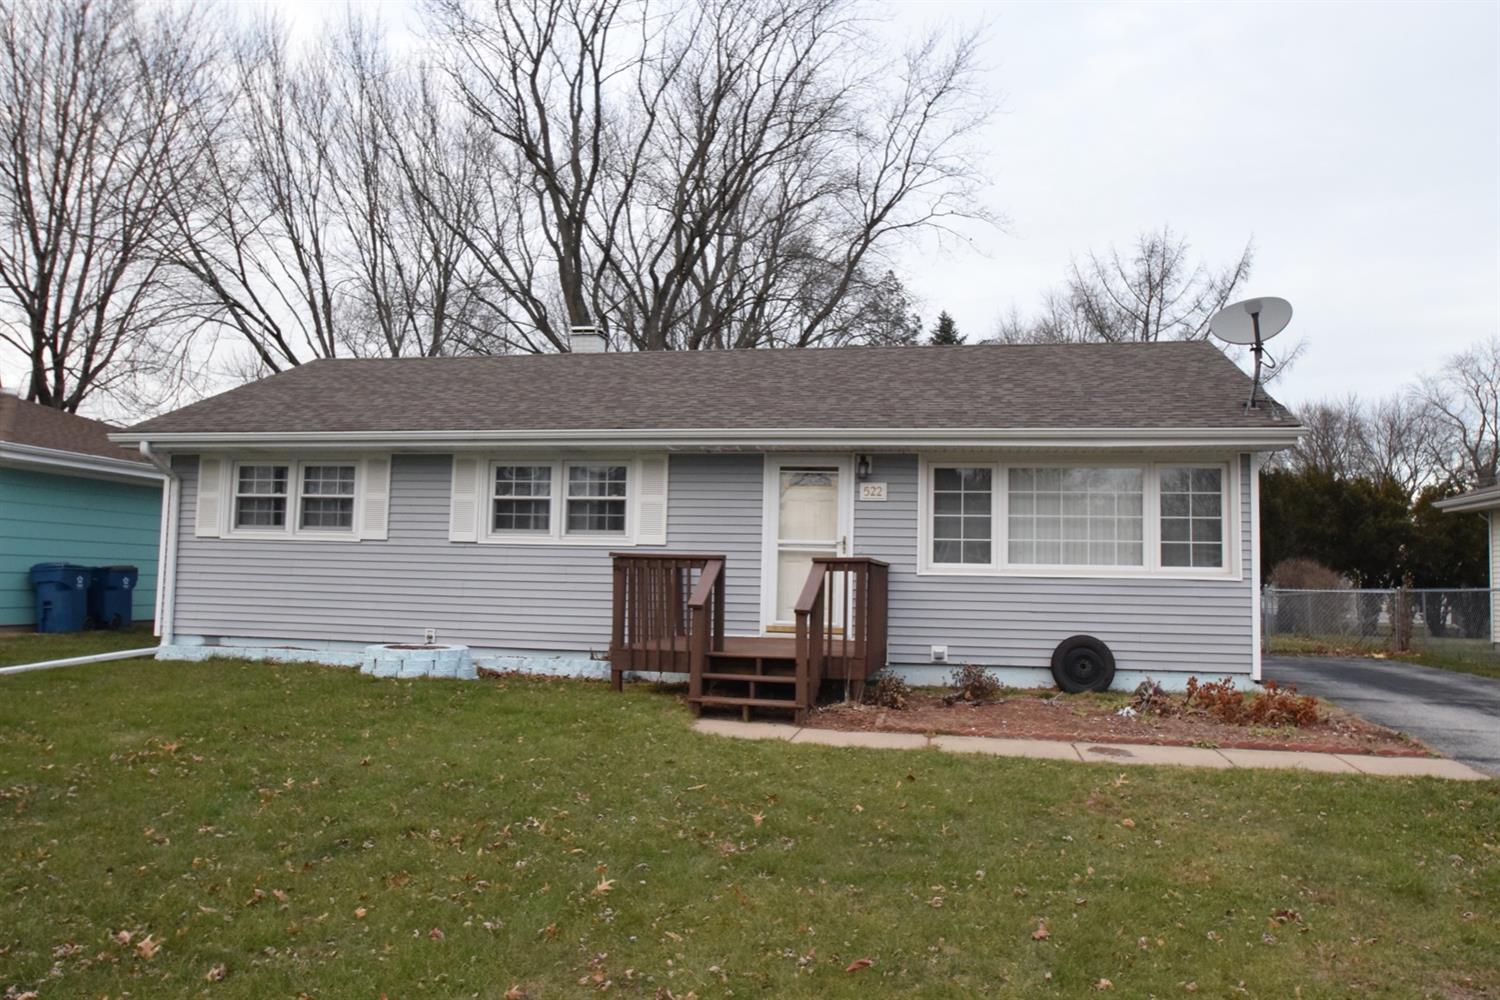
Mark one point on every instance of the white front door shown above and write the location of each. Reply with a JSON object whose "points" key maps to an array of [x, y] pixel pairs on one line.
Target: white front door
{"points": [[809, 504]]}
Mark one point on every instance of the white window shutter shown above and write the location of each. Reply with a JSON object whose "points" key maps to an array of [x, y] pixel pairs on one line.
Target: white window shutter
{"points": [[375, 503], [209, 515], [651, 502], [463, 506]]}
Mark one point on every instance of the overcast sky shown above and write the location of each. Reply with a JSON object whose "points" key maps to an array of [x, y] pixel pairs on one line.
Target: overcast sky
{"points": [[1358, 144]]}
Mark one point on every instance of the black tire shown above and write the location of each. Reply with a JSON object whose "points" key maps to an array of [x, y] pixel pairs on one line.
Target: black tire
{"points": [[1083, 663]]}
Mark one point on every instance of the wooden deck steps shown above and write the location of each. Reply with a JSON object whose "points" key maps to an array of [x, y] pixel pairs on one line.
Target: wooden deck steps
{"points": [[750, 673], [669, 616]]}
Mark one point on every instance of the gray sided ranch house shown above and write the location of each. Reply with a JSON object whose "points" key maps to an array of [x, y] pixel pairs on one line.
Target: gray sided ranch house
{"points": [[762, 521]]}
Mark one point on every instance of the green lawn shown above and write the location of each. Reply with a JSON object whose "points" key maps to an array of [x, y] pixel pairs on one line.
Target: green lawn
{"points": [[30, 647], [309, 831], [1469, 656]]}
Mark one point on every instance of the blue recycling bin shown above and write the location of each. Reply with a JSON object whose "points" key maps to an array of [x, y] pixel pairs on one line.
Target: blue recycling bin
{"points": [[111, 594], [62, 595]]}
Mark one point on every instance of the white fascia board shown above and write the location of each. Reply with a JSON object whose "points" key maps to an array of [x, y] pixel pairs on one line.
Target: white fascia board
{"points": [[1485, 499], [1243, 438], [75, 463]]}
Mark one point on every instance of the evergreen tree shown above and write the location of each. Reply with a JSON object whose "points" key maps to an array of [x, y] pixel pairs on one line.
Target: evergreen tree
{"points": [[945, 331]]}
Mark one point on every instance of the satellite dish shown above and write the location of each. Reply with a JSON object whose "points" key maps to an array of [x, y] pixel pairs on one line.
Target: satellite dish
{"points": [[1251, 320], [1251, 323]]}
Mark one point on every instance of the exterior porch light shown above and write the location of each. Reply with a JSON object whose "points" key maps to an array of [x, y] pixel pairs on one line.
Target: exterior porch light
{"points": [[862, 468]]}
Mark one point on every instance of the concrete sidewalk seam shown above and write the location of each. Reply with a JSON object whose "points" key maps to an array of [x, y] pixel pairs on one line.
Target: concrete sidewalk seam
{"points": [[1100, 753]]}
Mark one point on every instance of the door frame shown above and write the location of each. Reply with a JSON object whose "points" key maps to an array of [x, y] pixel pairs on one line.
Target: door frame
{"points": [[771, 516]]}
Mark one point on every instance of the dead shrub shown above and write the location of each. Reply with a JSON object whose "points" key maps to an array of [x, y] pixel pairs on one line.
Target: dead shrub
{"points": [[1150, 698], [1218, 699], [1283, 706], [1274, 706], [972, 683], [1306, 574], [888, 690]]}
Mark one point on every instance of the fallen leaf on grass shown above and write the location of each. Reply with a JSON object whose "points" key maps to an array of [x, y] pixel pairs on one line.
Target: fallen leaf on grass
{"points": [[1128, 823], [359, 912], [148, 947], [514, 993], [602, 889], [436, 934], [1104, 984], [121, 937], [1041, 933], [216, 974], [858, 964]]}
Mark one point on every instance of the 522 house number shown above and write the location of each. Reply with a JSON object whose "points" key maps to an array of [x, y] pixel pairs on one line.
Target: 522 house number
{"points": [[872, 491]]}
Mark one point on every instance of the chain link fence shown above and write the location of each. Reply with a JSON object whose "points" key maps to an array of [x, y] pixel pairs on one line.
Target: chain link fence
{"points": [[1446, 623]]}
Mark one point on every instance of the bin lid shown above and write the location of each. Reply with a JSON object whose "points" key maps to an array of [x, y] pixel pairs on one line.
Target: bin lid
{"points": [[118, 569]]}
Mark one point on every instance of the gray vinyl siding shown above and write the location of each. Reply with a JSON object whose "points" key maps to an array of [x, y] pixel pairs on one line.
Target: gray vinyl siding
{"points": [[1150, 624], [522, 597], [557, 597]]}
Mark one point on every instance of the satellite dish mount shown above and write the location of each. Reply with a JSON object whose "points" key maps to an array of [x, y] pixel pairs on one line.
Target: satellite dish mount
{"points": [[1251, 323]]}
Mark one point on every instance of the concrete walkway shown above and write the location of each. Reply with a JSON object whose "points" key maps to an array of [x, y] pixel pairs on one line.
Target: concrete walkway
{"points": [[1104, 753]]}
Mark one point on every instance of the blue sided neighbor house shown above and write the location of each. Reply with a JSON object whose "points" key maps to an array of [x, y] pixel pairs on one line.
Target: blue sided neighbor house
{"points": [[68, 495]]}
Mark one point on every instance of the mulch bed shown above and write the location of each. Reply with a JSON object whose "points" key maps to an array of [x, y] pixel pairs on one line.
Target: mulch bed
{"points": [[1049, 716]]}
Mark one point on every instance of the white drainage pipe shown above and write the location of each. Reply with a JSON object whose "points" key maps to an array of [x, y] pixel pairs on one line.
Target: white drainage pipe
{"points": [[75, 661]]}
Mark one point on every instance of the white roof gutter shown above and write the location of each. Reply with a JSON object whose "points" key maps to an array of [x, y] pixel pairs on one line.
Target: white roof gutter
{"points": [[1253, 438], [50, 459], [1487, 498]]}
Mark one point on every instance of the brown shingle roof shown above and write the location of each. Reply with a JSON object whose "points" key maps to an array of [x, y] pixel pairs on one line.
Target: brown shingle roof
{"points": [[1164, 385], [43, 427]]}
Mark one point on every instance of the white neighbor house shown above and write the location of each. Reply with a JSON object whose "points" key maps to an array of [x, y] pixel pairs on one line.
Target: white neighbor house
{"points": [[731, 513], [1486, 502]]}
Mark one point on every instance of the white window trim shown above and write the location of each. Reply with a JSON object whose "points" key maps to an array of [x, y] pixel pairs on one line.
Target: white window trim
{"points": [[557, 533], [1151, 521], [229, 491]]}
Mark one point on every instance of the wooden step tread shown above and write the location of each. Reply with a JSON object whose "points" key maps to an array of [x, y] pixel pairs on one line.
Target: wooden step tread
{"points": [[718, 699], [789, 659], [753, 678]]}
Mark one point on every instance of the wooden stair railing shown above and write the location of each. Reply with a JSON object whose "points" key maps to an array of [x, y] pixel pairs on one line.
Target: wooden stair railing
{"points": [[841, 618], [668, 613]]}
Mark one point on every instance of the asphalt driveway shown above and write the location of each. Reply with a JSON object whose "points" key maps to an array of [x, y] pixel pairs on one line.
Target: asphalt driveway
{"points": [[1456, 713]]}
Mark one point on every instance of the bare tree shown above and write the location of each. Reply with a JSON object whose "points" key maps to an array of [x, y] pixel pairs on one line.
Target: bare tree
{"points": [[1333, 438], [95, 98], [711, 174], [311, 241], [1394, 436], [1155, 291], [1463, 404]]}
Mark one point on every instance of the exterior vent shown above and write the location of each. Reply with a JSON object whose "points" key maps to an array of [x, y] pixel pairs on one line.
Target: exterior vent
{"points": [[585, 340]]}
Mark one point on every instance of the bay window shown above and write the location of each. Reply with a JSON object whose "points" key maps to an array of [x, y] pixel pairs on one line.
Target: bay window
{"points": [[1108, 519]]}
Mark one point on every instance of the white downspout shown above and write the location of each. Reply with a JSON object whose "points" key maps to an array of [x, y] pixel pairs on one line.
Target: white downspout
{"points": [[1257, 626], [166, 553]]}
